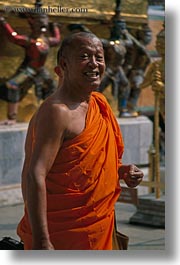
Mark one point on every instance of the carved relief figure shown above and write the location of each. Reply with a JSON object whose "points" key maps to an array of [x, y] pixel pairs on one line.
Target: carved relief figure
{"points": [[32, 70]]}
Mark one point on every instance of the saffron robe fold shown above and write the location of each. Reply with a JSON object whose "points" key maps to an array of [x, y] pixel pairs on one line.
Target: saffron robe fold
{"points": [[83, 185]]}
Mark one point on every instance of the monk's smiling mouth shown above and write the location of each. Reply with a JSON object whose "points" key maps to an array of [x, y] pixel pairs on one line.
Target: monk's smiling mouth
{"points": [[94, 74]]}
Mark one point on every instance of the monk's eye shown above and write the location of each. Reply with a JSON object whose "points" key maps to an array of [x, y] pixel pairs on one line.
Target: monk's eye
{"points": [[99, 58], [85, 56]]}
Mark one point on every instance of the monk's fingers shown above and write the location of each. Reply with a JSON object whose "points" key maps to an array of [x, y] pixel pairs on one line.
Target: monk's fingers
{"points": [[135, 182], [133, 169], [136, 179], [137, 175]]}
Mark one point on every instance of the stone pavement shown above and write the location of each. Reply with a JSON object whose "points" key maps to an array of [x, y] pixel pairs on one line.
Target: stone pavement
{"points": [[141, 237]]}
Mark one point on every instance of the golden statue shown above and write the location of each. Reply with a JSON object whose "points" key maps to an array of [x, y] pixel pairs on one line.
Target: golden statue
{"points": [[155, 76]]}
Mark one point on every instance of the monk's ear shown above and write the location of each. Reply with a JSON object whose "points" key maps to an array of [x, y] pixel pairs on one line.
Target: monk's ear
{"points": [[58, 70], [62, 63]]}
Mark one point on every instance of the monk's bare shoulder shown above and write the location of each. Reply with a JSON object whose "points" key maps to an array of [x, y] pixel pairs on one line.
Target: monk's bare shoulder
{"points": [[52, 116]]}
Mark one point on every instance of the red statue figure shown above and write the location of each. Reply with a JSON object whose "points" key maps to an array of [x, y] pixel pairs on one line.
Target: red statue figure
{"points": [[32, 70]]}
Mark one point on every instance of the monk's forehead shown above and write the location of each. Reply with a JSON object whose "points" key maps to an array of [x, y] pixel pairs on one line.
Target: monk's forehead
{"points": [[83, 42]]}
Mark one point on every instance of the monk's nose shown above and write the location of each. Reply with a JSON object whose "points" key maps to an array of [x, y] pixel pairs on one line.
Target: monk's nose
{"points": [[92, 62]]}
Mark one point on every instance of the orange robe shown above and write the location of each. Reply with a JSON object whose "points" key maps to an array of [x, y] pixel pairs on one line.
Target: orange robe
{"points": [[83, 185]]}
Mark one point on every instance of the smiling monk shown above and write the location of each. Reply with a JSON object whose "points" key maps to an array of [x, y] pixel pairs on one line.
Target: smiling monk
{"points": [[73, 150]]}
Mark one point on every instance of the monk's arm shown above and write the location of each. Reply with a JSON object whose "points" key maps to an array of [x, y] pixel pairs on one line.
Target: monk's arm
{"points": [[28, 152], [48, 135]]}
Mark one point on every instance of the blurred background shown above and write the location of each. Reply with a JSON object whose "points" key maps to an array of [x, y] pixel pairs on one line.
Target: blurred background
{"points": [[98, 19]]}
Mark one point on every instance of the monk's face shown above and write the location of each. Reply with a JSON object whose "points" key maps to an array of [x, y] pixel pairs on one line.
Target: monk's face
{"points": [[85, 63]]}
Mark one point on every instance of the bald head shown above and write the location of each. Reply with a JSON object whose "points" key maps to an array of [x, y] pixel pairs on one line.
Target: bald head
{"points": [[71, 40]]}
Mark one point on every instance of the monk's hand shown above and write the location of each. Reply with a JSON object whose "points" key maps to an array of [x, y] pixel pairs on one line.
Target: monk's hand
{"points": [[132, 175]]}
